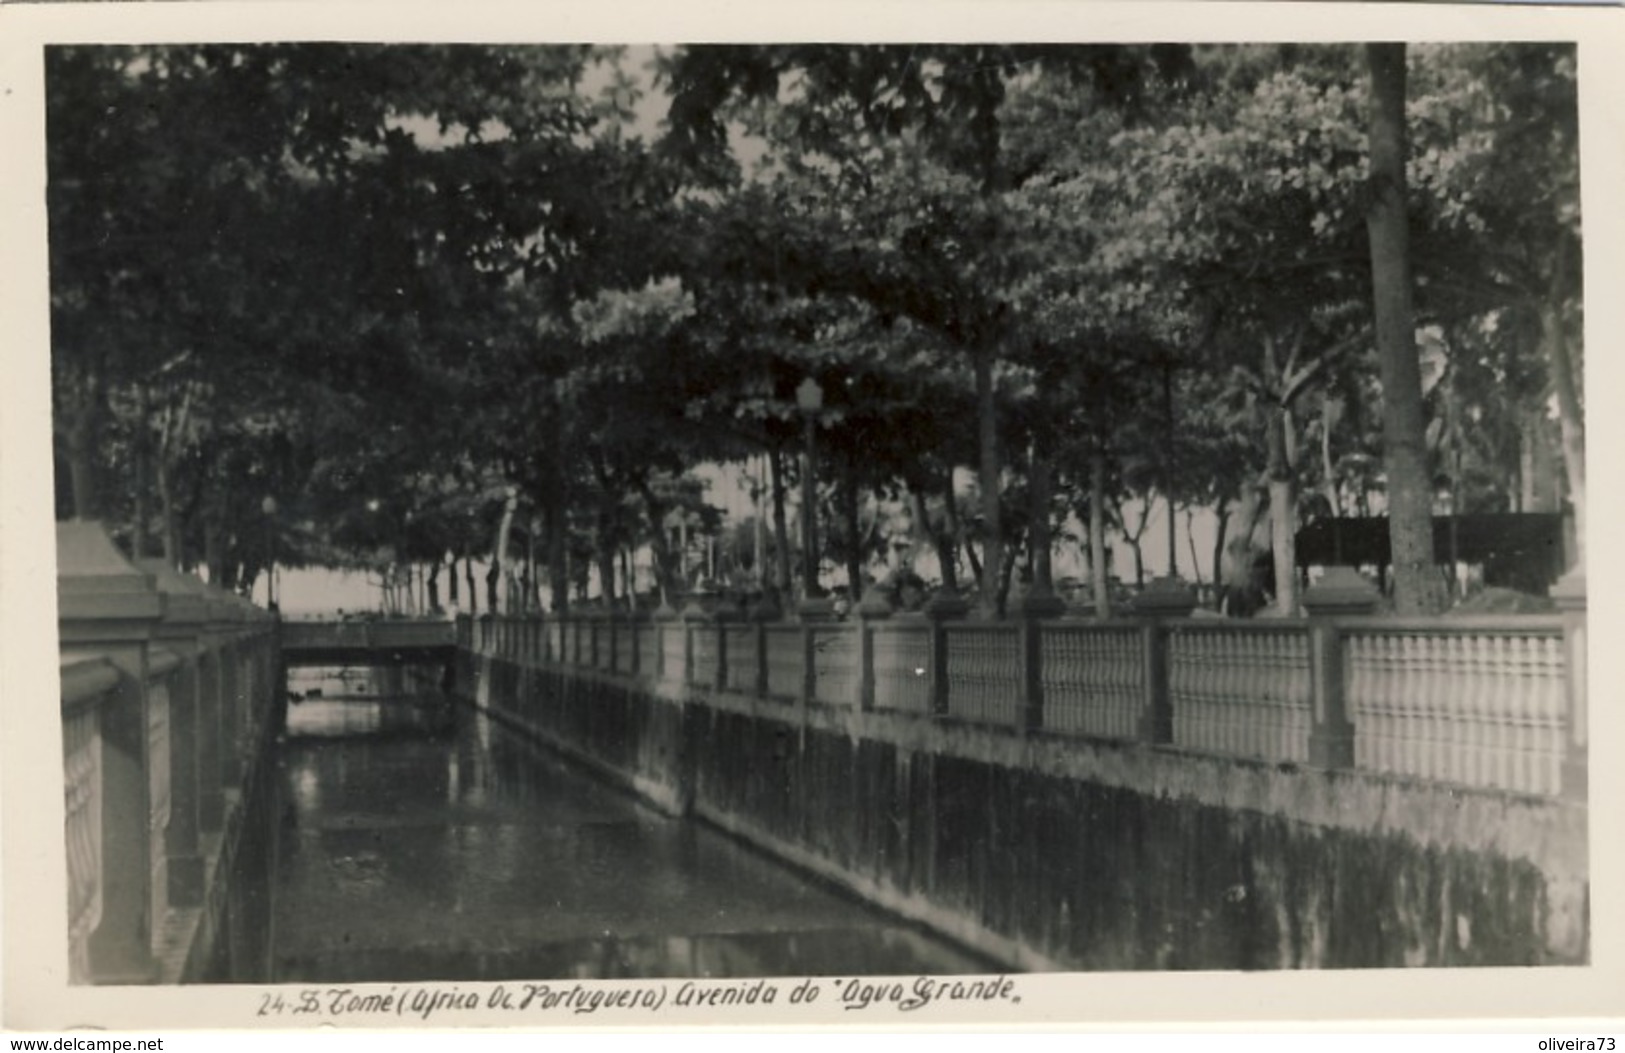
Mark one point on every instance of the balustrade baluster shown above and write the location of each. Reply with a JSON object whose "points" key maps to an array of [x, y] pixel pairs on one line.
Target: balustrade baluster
{"points": [[1484, 719], [1518, 712]]}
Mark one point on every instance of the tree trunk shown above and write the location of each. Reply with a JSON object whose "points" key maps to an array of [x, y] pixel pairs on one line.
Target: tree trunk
{"points": [[988, 428], [557, 509], [1535, 463], [1099, 576], [558, 580], [166, 501], [781, 531], [1330, 412], [1133, 539], [1168, 466], [532, 600], [84, 452], [1190, 540], [924, 534], [1417, 588], [140, 456], [849, 515], [176, 420], [659, 543], [1173, 536], [1222, 514], [1038, 533], [1570, 415], [1283, 514], [1328, 469], [214, 544], [499, 552], [1006, 572], [948, 546], [974, 561], [606, 563]]}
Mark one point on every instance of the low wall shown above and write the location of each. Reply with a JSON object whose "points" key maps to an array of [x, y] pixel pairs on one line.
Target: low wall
{"points": [[170, 698], [1059, 852]]}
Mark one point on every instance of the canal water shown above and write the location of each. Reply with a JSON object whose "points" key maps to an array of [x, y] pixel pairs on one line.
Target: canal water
{"points": [[421, 840]]}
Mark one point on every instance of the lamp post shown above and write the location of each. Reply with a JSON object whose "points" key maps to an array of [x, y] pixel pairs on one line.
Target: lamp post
{"points": [[809, 400], [268, 506]]}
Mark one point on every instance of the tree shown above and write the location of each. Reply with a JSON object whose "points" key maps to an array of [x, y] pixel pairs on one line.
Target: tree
{"points": [[248, 310], [849, 106], [1410, 505]]}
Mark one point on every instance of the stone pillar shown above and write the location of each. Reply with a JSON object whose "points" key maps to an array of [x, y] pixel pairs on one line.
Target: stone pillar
{"points": [[107, 608], [762, 612], [724, 613], [211, 798], [809, 672], [1569, 594], [636, 626], [1341, 592], [1038, 605], [229, 668], [874, 608], [1164, 599], [942, 609], [182, 631], [665, 621], [693, 616], [256, 628]]}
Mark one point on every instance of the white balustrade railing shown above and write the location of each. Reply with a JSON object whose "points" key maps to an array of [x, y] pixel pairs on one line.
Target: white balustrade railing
{"points": [[626, 646], [704, 669], [648, 649], [82, 764], [1094, 679], [902, 664], [1481, 707], [1477, 704], [674, 652], [786, 662], [581, 644], [984, 673], [1241, 690], [140, 756], [835, 665], [158, 787], [742, 658]]}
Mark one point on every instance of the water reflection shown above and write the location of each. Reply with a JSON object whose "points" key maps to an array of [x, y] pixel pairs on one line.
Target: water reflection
{"points": [[422, 841]]}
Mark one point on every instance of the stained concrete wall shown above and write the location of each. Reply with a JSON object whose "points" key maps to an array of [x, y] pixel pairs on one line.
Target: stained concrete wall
{"points": [[1053, 853]]}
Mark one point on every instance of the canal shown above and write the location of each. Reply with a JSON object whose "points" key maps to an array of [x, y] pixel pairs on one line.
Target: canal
{"points": [[420, 840]]}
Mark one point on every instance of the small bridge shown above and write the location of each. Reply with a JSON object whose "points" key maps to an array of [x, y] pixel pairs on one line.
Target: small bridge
{"points": [[393, 642]]}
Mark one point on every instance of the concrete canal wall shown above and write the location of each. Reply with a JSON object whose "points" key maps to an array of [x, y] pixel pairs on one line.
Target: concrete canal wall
{"points": [[1061, 852]]}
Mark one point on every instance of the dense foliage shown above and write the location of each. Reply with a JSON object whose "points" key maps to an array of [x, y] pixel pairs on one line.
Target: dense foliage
{"points": [[442, 304]]}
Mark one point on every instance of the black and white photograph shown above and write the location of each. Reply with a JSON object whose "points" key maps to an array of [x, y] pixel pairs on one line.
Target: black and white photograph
{"points": [[899, 525]]}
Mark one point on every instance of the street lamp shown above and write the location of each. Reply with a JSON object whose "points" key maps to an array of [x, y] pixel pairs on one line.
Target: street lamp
{"points": [[268, 506], [809, 400]]}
